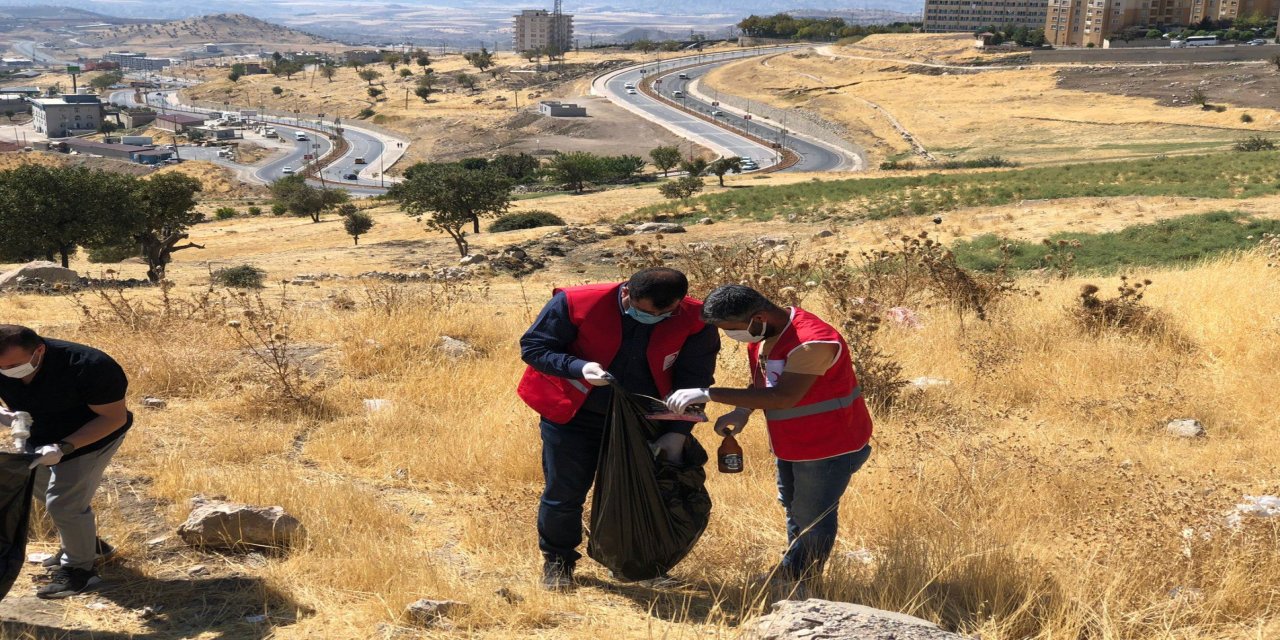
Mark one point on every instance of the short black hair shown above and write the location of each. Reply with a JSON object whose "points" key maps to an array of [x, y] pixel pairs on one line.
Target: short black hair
{"points": [[16, 335], [734, 303], [659, 285]]}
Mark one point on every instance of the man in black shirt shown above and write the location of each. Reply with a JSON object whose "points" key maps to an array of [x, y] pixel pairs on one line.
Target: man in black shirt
{"points": [[76, 397]]}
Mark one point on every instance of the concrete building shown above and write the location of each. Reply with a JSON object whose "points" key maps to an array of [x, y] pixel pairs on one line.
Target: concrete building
{"points": [[362, 56], [134, 118], [561, 109], [117, 151], [1232, 9], [137, 61], [16, 63], [177, 123], [152, 156], [968, 16], [66, 115], [15, 102], [539, 29], [30, 92]]}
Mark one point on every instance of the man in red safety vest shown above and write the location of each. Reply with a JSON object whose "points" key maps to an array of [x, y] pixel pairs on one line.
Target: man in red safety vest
{"points": [[818, 424], [645, 333]]}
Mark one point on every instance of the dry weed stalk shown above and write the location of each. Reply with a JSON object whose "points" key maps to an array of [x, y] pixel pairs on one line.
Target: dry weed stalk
{"points": [[263, 331], [1126, 312], [780, 273], [116, 307]]}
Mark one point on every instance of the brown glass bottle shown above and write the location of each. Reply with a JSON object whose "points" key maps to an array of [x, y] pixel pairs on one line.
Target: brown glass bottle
{"points": [[730, 455]]}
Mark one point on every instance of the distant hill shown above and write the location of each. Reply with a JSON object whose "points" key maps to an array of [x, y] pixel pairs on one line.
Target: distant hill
{"points": [[221, 28]]}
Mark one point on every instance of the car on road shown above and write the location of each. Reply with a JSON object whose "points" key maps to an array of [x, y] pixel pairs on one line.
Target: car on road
{"points": [[677, 94], [683, 76], [1257, 42], [717, 113], [629, 85], [350, 176], [631, 92], [360, 160], [288, 171], [749, 165]]}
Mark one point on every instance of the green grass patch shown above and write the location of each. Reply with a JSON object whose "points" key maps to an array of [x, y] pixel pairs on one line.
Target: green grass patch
{"points": [[1221, 175], [1177, 241]]}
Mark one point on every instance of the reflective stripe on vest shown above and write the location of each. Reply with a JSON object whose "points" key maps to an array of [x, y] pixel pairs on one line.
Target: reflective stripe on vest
{"points": [[814, 409], [578, 385]]}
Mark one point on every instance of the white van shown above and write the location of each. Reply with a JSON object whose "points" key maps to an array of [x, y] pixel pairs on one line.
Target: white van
{"points": [[299, 136], [677, 94]]}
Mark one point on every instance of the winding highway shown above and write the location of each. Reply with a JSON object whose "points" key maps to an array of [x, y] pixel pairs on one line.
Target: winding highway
{"points": [[316, 144], [724, 136]]}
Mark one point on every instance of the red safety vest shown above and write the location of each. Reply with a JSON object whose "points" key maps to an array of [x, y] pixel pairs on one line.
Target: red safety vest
{"points": [[595, 311], [832, 418]]}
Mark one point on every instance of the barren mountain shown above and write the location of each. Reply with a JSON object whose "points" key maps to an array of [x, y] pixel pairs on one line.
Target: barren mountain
{"points": [[220, 28]]}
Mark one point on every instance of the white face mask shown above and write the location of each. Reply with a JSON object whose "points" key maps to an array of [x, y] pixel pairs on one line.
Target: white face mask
{"points": [[745, 335], [20, 371]]}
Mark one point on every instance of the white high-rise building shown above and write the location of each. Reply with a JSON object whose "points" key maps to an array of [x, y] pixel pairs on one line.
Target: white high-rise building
{"points": [[539, 29]]}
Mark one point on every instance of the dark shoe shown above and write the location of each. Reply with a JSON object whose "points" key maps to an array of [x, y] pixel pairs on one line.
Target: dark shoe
{"points": [[106, 553], [557, 576], [67, 582]]}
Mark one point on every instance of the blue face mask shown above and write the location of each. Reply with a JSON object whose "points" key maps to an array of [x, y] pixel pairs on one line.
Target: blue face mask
{"points": [[644, 317]]}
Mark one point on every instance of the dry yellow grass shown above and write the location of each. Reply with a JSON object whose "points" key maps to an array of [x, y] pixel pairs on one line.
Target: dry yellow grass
{"points": [[1034, 497], [1019, 114]]}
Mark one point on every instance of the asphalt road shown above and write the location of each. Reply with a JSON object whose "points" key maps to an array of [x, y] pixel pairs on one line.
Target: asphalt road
{"points": [[315, 144], [813, 156], [32, 50]]}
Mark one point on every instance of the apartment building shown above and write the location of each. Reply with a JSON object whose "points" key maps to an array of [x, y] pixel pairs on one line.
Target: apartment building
{"points": [[539, 29], [137, 61], [968, 16], [1232, 9]]}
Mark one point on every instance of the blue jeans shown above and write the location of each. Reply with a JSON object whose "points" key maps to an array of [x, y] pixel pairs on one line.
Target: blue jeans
{"points": [[810, 492]]}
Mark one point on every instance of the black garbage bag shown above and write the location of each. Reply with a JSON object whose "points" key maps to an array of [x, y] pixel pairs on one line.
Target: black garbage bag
{"points": [[15, 514], [646, 514]]}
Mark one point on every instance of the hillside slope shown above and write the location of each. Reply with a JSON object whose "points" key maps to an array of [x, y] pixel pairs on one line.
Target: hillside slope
{"points": [[224, 27]]}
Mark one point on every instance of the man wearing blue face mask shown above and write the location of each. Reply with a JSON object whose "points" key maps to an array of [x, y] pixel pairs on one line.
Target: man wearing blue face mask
{"points": [[648, 335], [76, 397]]}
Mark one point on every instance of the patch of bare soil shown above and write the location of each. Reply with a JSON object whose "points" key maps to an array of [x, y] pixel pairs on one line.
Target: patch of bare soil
{"points": [[1253, 86]]}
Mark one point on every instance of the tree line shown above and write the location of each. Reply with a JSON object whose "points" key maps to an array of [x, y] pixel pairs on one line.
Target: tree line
{"points": [[783, 25]]}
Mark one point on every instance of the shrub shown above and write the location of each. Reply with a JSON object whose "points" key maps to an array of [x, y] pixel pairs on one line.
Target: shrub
{"points": [[279, 209], [277, 90], [1246, 118], [681, 188], [1220, 108], [526, 220], [245, 276], [1126, 312], [365, 113], [224, 213], [255, 211], [1255, 143]]}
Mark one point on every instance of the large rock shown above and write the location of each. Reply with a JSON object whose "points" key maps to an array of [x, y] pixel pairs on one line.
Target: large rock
{"points": [[659, 227], [218, 524], [822, 619], [1185, 428], [455, 349], [434, 613], [48, 272]]}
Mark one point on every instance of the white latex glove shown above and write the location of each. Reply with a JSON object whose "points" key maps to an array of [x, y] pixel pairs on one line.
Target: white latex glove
{"points": [[680, 400], [732, 423], [595, 374], [49, 454]]}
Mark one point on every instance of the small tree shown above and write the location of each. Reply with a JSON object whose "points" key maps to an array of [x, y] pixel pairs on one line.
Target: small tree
{"points": [[374, 92], [1198, 96], [104, 81], [328, 71], [465, 80], [665, 158], [369, 75], [422, 58], [302, 199], [576, 169], [446, 197], [426, 86], [725, 165], [682, 188], [406, 72], [237, 72], [392, 59], [357, 224], [481, 59], [277, 90], [695, 167]]}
